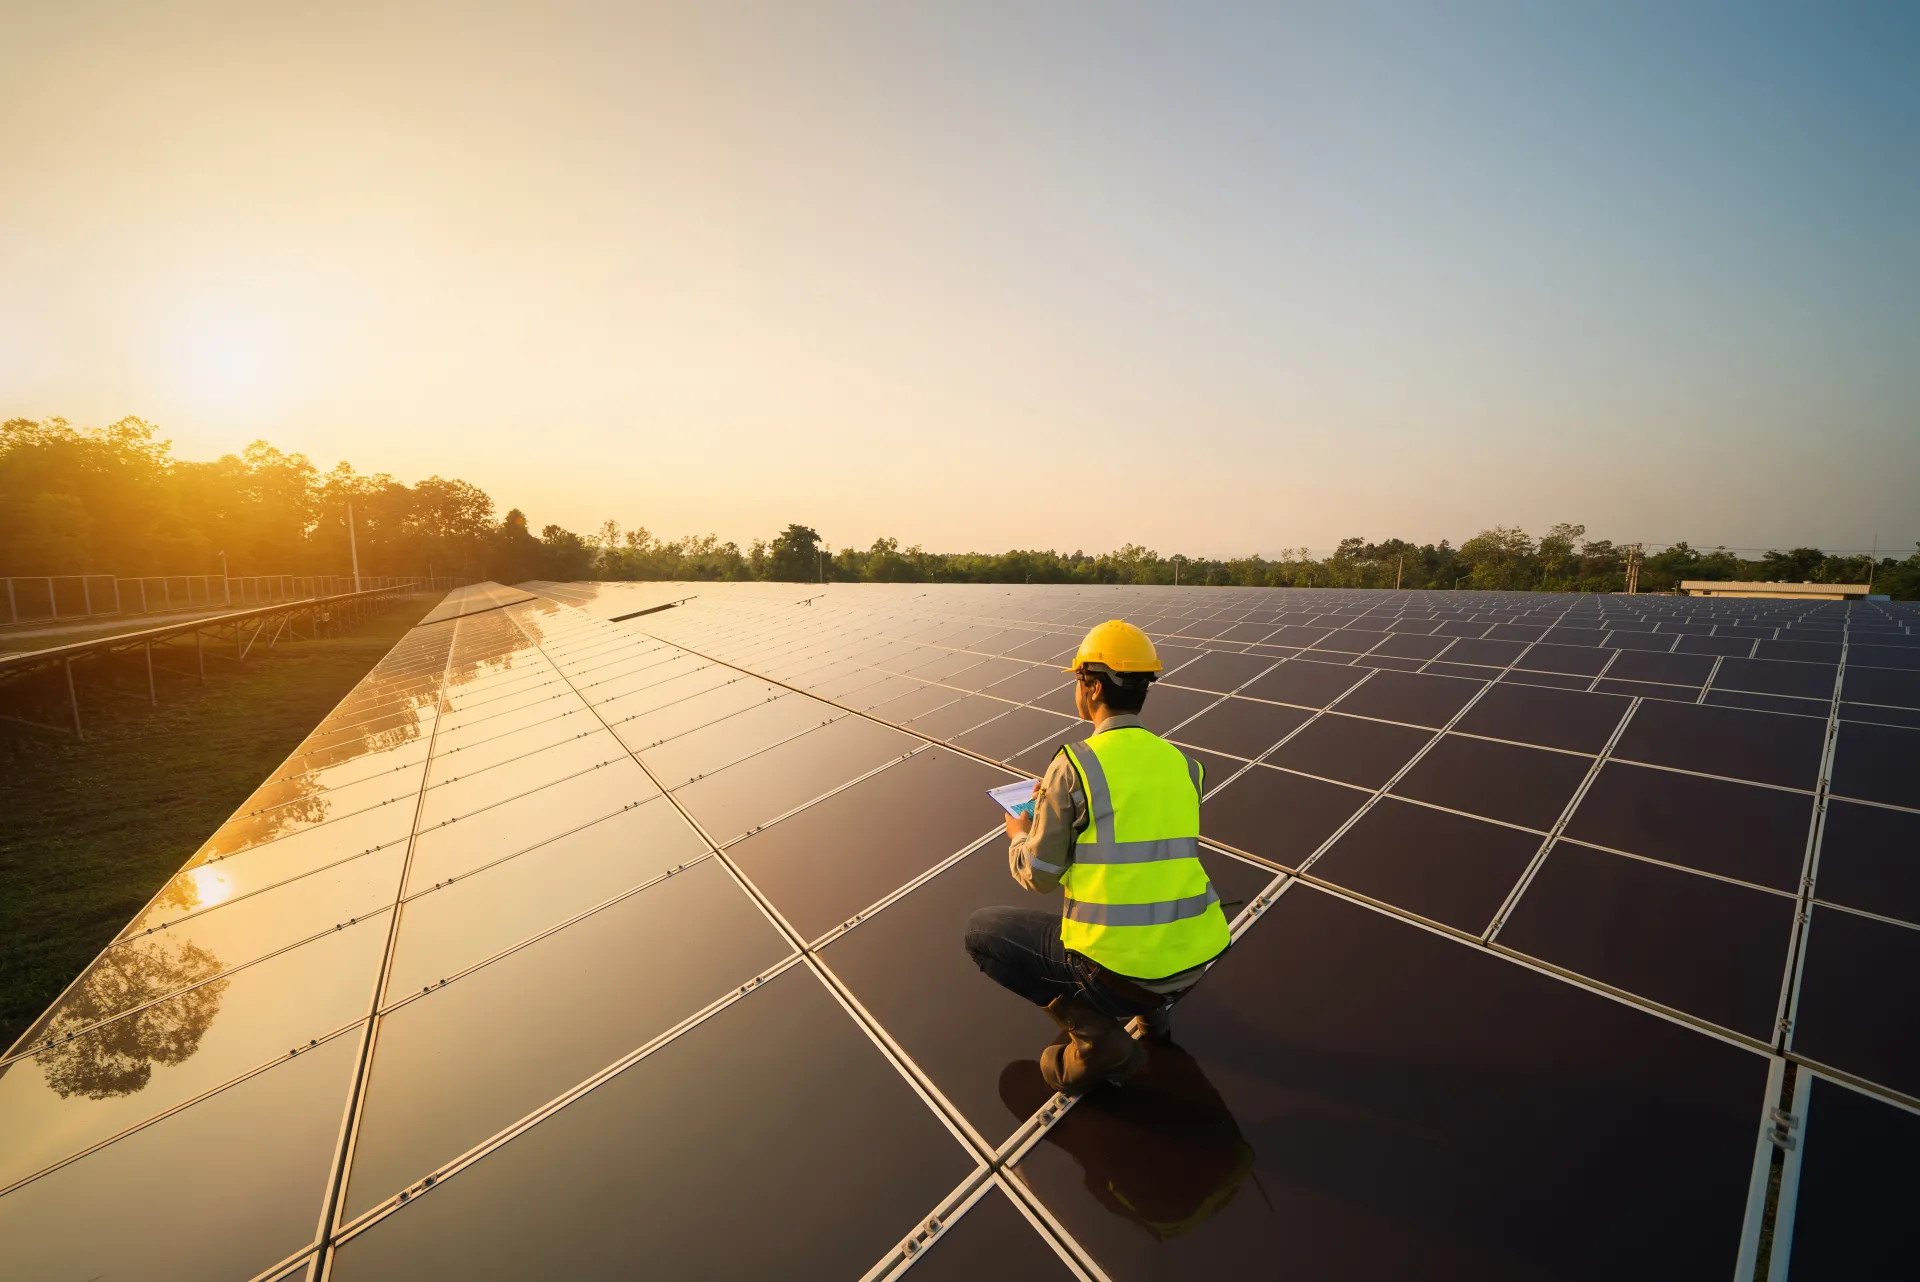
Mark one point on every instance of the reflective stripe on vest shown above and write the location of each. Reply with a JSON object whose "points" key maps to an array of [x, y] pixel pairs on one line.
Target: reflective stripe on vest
{"points": [[1138, 900]]}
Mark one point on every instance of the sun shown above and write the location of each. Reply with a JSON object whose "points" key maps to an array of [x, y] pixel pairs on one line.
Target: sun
{"points": [[227, 354]]}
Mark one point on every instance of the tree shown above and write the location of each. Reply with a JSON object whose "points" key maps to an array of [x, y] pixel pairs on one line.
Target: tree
{"points": [[114, 500], [1557, 561], [52, 535], [794, 555], [1899, 579], [884, 564], [516, 555], [279, 494], [1501, 558], [1796, 566], [564, 555]]}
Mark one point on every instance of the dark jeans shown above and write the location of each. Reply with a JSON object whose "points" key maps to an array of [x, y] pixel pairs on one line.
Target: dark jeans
{"points": [[1020, 949]]}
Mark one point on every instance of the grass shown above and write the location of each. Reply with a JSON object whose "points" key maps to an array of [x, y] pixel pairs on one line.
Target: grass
{"points": [[90, 829]]}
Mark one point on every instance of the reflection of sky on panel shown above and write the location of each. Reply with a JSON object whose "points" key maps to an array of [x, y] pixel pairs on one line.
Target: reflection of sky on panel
{"points": [[224, 1189], [509, 825], [646, 973], [832, 1147], [456, 923], [516, 773]]}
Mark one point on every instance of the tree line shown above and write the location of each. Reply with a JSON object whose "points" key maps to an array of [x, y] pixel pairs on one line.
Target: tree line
{"points": [[115, 500]]}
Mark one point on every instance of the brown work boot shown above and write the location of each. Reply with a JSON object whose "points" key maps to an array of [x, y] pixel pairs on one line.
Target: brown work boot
{"points": [[1154, 1026], [1098, 1048]]}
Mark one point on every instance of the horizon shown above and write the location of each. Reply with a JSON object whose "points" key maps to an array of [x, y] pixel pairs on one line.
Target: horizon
{"points": [[592, 531], [1380, 270]]}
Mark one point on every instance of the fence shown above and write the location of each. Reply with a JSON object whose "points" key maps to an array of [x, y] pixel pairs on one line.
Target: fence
{"points": [[245, 628], [51, 598]]}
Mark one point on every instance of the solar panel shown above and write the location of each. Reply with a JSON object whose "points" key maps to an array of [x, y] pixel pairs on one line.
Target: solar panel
{"points": [[1403, 1118], [599, 917], [1848, 1187], [1859, 979]]}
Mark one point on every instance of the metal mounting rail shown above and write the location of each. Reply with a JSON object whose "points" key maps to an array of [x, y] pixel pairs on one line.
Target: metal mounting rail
{"points": [[25, 663]]}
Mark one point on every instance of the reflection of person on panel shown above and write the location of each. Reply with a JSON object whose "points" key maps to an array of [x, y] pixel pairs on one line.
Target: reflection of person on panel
{"points": [[1164, 1152]]}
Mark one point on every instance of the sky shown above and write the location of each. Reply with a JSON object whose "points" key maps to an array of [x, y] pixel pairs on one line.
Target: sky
{"points": [[1217, 279]]}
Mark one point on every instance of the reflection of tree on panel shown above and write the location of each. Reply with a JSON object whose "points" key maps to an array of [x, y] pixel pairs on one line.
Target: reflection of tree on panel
{"points": [[527, 613], [118, 1058], [330, 746], [325, 752], [485, 657], [251, 829], [295, 801]]}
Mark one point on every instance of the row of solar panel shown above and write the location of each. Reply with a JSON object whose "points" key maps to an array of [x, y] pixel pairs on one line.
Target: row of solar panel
{"points": [[1779, 668], [475, 598], [254, 994], [1075, 604], [527, 682], [1206, 615], [1356, 633], [442, 1227], [1085, 1144], [1872, 763], [1867, 844], [1249, 627]]}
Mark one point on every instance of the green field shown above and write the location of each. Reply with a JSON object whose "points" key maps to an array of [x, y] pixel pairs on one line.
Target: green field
{"points": [[90, 829]]}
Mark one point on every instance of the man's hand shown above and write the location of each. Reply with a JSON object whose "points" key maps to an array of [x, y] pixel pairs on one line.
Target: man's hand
{"points": [[1017, 825]]}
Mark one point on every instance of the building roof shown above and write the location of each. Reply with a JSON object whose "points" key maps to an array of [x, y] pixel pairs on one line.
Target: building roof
{"points": [[1745, 588]]}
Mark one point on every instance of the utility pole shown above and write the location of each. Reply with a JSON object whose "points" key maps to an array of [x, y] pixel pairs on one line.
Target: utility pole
{"points": [[1176, 569], [1633, 568], [353, 546], [1873, 561], [226, 584], [1399, 571]]}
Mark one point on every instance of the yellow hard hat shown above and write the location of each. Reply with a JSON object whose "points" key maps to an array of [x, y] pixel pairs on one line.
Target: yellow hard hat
{"points": [[1117, 646]]}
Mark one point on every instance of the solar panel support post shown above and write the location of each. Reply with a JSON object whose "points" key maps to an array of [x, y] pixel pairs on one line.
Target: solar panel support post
{"points": [[73, 697], [1786, 1204], [153, 695], [353, 546], [1755, 1221]]}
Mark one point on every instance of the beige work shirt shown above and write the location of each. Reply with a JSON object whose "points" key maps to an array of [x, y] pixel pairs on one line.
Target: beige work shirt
{"points": [[1037, 858]]}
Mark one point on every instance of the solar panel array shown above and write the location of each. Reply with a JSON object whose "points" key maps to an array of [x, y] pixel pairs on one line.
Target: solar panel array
{"points": [[590, 936]]}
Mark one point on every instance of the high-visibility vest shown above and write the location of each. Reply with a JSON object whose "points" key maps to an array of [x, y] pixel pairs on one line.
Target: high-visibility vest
{"points": [[1138, 901]]}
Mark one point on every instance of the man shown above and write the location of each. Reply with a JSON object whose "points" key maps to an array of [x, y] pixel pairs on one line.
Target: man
{"points": [[1116, 823]]}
